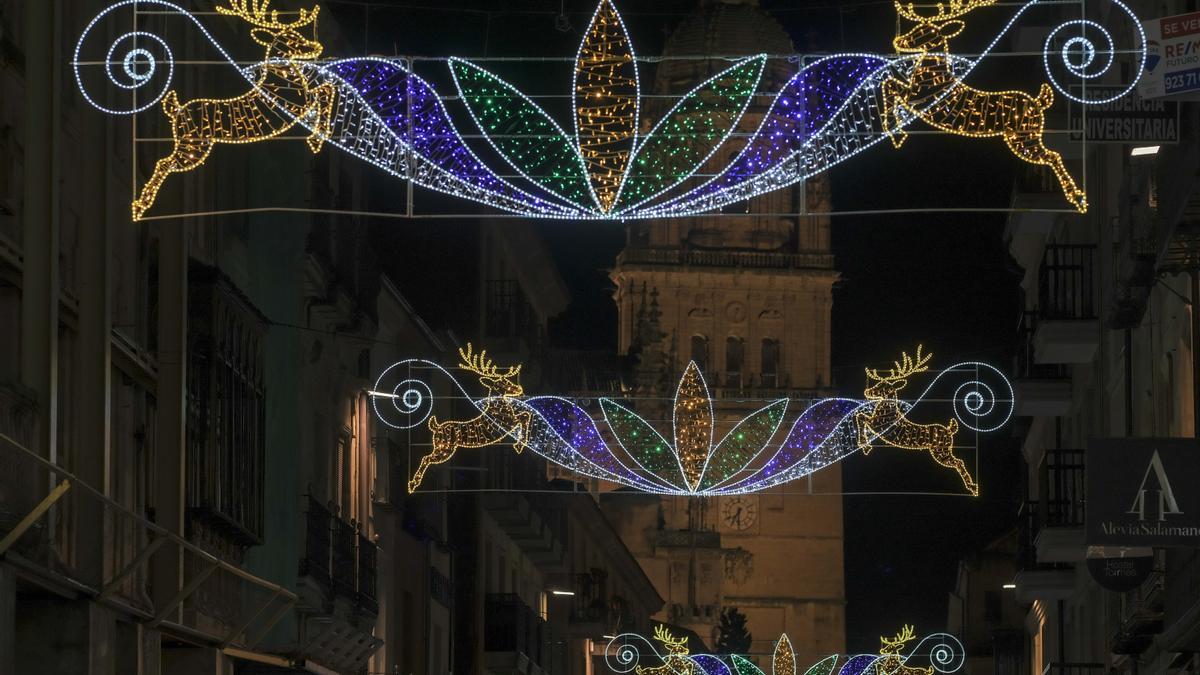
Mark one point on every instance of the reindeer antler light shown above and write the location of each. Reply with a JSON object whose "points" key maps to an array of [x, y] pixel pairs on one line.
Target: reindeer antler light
{"points": [[945, 11], [255, 12], [481, 365], [906, 366], [902, 638]]}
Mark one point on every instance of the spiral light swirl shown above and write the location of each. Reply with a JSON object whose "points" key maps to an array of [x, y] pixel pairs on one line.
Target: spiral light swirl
{"points": [[1081, 51], [403, 396], [946, 653], [622, 654]]}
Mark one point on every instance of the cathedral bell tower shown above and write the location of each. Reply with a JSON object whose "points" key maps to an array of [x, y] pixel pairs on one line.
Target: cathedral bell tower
{"points": [[747, 295]]}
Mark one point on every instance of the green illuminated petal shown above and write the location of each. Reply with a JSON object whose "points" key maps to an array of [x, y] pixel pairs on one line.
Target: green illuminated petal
{"points": [[744, 667], [523, 133], [644, 444], [823, 667], [691, 132], [743, 443]]}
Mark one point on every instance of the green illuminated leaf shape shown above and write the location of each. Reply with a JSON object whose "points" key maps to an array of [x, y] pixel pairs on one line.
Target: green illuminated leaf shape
{"points": [[743, 443], [523, 133], [743, 666], [691, 132], [823, 667], [644, 444]]}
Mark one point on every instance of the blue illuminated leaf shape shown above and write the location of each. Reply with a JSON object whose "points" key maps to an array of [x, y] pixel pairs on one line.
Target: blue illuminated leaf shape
{"points": [[578, 432], [822, 435], [710, 665], [859, 665], [691, 132], [413, 111], [644, 445], [528, 139]]}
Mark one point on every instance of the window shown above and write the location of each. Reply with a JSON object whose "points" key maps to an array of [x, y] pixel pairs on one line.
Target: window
{"points": [[226, 408], [700, 351], [770, 362], [734, 355]]}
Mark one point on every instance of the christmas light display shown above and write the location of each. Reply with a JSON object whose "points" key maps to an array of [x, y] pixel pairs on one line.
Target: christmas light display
{"points": [[887, 421], [1015, 116], [380, 112], [567, 434], [625, 653]]}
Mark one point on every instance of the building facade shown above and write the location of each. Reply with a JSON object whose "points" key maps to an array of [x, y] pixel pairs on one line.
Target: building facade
{"points": [[1107, 350]]}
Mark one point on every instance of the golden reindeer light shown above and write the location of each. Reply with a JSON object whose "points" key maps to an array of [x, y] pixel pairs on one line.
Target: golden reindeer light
{"points": [[937, 96], [886, 421], [500, 417], [676, 661], [282, 96], [891, 663]]}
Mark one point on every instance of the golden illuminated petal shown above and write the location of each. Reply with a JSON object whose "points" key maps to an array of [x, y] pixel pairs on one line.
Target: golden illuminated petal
{"points": [[606, 103], [693, 424], [784, 660]]}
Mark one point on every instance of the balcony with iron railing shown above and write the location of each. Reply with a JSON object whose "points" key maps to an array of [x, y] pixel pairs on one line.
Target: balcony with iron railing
{"points": [[1061, 506], [514, 635], [338, 560], [1068, 328]]}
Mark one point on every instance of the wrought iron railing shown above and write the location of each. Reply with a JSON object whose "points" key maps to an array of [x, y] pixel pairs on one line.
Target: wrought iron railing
{"points": [[345, 559], [1062, 491], [317, 523], [368, 554], [1067, 282]]}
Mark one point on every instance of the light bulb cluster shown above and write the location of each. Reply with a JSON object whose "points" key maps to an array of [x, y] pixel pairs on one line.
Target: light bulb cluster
{"points": [[378, 111], [607, 95], [567, 434]]}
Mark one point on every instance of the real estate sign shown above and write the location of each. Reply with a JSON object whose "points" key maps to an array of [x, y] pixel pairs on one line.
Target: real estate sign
{"points": [[1172, 56], [1143, 492]]}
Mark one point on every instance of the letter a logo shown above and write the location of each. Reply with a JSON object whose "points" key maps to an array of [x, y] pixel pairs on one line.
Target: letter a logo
{"points": [[1166, 496]]}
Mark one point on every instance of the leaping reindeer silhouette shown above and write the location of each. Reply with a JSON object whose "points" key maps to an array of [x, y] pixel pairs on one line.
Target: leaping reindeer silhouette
{"points": [[886, 421], [891, 662], [676, 662], [937, 96], [282, 96], [499, 416]]}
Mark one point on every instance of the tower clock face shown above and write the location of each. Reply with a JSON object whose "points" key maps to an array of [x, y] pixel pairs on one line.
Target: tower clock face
{"points": [[739, 513]]}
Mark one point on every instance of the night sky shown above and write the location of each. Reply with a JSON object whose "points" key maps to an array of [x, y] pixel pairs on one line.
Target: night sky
{"points": [[944, 280]]}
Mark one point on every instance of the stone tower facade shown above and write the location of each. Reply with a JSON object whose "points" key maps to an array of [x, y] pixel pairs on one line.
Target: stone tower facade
{"points": [[748, 297]]}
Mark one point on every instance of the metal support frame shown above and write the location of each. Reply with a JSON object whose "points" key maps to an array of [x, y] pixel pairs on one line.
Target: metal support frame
{"points": [[161, 536], [188, 588], [141, 558], [37, 512]]}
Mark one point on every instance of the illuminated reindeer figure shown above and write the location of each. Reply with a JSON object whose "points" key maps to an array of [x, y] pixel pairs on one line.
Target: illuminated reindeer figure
{"points": [[936, 95], [886, 420], [676, 661], [281, 97], [890, 662], [500, 417]]}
